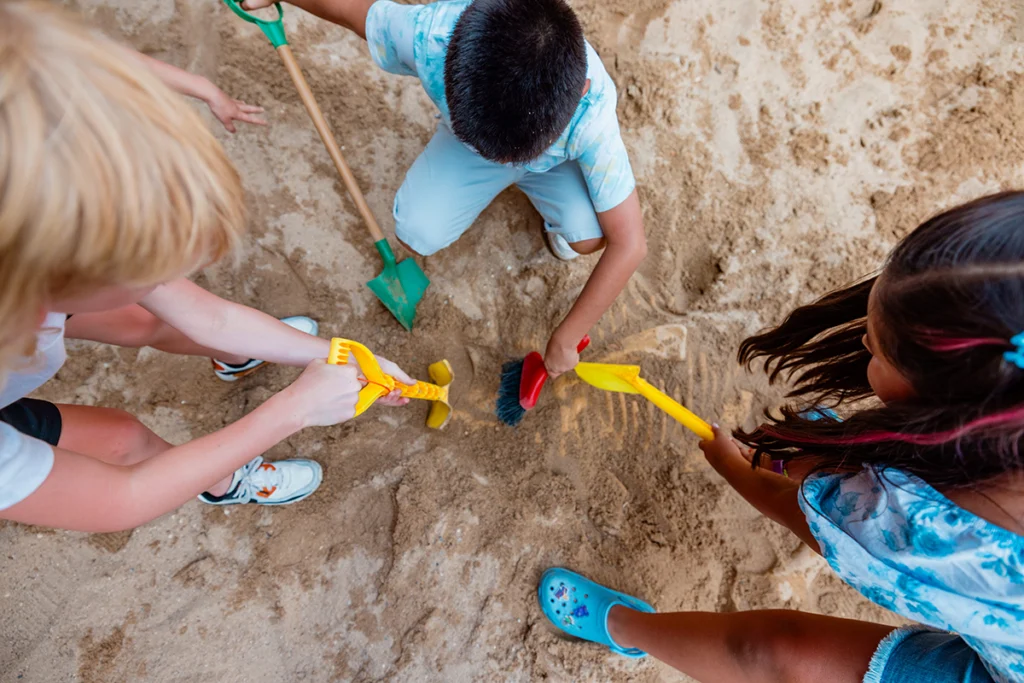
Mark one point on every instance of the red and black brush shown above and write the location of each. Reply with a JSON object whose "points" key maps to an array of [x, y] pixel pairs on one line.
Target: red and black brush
{"points": [[521, 382]]}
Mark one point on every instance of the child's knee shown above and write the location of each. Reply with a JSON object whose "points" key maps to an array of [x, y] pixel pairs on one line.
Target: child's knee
{"points": [[427, 223], [132, 441], [579, 225], [588, 246], [408, 248], [141, 328], [422, 235]]}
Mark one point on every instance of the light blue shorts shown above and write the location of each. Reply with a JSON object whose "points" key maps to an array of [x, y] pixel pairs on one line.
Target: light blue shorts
{"points": [[917, 654], [449, 185]]}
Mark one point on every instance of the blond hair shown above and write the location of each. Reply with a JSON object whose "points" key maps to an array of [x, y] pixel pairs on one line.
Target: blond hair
{"points": [[107, 178]]}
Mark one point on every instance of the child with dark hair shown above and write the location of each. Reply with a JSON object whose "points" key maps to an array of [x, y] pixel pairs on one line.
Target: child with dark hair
{"points": [[524, 100], [914, 499]]}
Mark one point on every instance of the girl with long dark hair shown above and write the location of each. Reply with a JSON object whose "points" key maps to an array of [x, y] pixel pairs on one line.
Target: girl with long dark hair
{"points": [[915, 498]]}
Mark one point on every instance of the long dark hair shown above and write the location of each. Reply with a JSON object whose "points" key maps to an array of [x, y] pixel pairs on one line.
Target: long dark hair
{"points": [[947, 303]]}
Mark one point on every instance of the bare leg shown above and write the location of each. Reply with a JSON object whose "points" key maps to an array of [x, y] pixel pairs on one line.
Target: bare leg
{"points": [[765, 646], [113, 436], [588, 246], [135, 327]]}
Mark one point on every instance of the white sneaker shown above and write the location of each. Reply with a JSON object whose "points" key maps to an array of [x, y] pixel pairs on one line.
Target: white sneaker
{"points": [[233, 373], [560, 247], [265, 483]]}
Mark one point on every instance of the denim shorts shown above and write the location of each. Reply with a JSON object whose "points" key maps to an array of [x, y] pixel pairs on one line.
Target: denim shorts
{"points": [[917, 654]]}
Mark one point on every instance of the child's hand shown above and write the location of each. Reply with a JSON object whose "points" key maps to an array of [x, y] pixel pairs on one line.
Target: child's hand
{"points": [[559, 357], [722, 449], [323, 395], [395, 398], [228, 110]]}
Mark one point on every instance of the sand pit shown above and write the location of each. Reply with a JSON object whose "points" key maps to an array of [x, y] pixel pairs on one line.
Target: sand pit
{"points": [[781, 149]]}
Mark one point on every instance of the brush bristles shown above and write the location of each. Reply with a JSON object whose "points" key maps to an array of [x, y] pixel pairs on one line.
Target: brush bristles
{"points": [[507, 406]]}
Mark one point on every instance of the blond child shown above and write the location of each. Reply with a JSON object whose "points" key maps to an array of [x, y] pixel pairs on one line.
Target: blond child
{"points": [[111, 193]]}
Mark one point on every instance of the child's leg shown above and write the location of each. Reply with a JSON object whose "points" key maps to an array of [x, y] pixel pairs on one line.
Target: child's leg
{"points": [[135, 327], [755, 647], [107, 434], [444, 191], [112, 436], [563, 200]]}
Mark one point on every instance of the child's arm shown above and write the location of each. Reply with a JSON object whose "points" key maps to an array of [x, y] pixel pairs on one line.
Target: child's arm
{"points": [[773, 495], [234, 329], [625, 248], [85, 494], [226, 109], [348, 13]]}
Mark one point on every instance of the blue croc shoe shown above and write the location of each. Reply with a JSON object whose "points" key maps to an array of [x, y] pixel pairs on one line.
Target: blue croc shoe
{"points": [[580, 607]]}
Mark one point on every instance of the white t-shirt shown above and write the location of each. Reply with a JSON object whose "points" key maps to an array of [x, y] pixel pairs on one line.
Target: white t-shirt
{"points": [[25, 462]]}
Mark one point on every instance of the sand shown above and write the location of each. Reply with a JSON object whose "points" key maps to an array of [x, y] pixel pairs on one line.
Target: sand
{"points": [[781, 149]]}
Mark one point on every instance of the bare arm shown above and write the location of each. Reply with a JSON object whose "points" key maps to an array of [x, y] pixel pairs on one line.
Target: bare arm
{"points": [[348, 13], [626, 247], [84, 494], [226, 109], [179, 80], [773, 495], [231, 328]]}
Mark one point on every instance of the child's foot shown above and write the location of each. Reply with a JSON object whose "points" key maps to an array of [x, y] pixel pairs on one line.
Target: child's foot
{"points": [[580, 607], [265, 483], [233, 373], [560, 247]]}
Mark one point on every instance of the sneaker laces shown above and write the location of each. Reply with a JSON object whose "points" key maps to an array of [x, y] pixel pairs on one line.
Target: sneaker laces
{"points": [[257, 479]]}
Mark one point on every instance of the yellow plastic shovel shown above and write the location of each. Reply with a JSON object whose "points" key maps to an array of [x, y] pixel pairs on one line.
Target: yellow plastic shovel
{"points": [[626, 379], [379, 383]]}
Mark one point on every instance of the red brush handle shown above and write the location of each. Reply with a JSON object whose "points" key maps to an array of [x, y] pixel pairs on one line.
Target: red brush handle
{"points": [[535, 375]]}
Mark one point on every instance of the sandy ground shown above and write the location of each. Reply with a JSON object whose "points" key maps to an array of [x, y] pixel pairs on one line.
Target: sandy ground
{"points": [[781, 149]]}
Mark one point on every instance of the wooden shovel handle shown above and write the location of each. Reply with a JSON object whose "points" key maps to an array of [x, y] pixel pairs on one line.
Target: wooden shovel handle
{"points": [[332, 145]]}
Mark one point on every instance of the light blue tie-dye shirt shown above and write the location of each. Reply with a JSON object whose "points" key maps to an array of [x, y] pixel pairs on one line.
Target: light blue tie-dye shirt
{"points": [[910, 549], [412, 40]]}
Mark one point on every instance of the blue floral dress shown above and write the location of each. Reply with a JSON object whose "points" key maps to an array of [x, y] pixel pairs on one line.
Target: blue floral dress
{"points": [[910, 549]]}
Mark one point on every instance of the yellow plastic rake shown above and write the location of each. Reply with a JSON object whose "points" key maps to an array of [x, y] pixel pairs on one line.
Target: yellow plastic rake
{"points": [[379, 384], [626, 379]]}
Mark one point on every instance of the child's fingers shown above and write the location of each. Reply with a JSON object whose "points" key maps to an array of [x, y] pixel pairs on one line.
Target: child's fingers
{"points": [[394, 399], [249, 118], [718, 432], [722, 444], [249, 108], [392, 369], [705, 445]]}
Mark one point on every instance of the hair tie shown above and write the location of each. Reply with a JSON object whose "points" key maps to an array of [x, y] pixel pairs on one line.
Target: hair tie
{"points": [[1017, 355]]}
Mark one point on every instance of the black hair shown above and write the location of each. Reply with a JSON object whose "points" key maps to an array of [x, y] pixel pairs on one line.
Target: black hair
{"points": [[514, 75], [947, 304]]}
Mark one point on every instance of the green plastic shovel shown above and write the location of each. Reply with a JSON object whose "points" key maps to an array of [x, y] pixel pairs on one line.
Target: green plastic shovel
{"points": [[401, 284]]}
